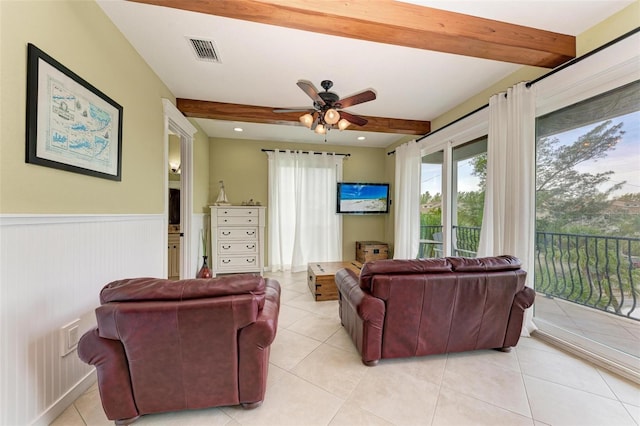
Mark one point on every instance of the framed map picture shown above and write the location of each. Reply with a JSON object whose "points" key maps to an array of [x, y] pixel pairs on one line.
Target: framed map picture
{"points": [[71, 125]]}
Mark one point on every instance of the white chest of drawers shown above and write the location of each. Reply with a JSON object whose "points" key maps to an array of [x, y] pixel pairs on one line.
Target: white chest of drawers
{"points": [[237, 239]]}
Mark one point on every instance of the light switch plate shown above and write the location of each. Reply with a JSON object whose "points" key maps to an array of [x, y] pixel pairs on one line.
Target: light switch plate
{"points": [[69, 336]]}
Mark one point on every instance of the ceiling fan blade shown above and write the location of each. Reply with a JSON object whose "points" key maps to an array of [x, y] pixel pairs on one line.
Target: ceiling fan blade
{"points": [[295, 109], [308, 88], [353, 119], [358, 98]]}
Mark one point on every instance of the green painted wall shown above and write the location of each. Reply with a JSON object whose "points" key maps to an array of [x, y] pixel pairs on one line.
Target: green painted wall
{"points": [[243, 167], [79, 35]]}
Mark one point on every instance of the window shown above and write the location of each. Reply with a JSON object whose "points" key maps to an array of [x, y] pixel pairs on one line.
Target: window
{"points": [[469, 177], [303, 224], [588, 221], [431, 206], [464, 204]]}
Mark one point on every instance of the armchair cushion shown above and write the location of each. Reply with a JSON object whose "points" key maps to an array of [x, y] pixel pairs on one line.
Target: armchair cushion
{"points": [[139, 289]]}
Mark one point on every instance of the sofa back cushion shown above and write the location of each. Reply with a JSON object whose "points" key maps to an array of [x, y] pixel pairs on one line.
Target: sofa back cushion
{"points": [[401, 267], [480, 264]]}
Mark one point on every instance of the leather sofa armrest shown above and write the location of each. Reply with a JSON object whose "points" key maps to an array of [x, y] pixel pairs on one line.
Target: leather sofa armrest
{"points": [[368, 307], [362, 315], [113, 374], [263, 331], [523, 300], [254, 343]]}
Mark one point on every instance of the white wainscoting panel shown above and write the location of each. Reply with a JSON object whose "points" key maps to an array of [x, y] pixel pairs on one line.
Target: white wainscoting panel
{"points": [[52, 270]]}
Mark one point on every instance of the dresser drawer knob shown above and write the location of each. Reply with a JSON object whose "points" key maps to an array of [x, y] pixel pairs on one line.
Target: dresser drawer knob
{"points": [[226, 247], [251, 260], [251, 246], [226, 233], [226, 260], [251, 232]]}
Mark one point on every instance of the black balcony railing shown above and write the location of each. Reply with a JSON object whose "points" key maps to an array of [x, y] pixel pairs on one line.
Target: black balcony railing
{"points": [[597, 271], [466, 240]]}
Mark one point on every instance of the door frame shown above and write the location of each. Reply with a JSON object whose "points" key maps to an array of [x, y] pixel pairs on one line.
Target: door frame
{"points": [[176, 123]]}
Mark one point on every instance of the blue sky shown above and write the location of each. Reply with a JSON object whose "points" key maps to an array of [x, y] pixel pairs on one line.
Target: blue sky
{"points": [[360, 192], [624, 160]]}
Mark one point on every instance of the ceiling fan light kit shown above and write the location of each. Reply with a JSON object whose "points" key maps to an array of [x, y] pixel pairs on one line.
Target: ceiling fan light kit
{"points": [[306, 120], [331, 116], [326, 113]]}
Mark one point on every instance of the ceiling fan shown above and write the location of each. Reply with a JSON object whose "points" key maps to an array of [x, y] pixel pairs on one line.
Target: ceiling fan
{"points": [[327, 111]]}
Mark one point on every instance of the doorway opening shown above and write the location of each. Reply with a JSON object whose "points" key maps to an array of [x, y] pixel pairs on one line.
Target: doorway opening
{"points": [[178, 127]]}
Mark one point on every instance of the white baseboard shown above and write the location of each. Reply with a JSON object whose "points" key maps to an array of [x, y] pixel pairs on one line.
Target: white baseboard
{"points": [[600, 361], [58, 407]]}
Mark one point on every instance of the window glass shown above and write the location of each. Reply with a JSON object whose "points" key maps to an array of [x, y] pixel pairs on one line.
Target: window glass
{"points": [[469, 182], [431, 205], [588, 217]]}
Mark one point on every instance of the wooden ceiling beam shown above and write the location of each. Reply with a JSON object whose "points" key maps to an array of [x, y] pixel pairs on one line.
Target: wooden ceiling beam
{"points": [[398, 23], [259, 114]]}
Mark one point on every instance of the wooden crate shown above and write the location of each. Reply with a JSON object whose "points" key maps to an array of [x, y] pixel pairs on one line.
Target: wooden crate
{"points": [[321, 278], [371, 250]]}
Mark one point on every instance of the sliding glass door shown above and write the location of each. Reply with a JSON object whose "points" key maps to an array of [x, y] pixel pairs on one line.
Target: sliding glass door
{"points": [[452, 188], [588, 224]]}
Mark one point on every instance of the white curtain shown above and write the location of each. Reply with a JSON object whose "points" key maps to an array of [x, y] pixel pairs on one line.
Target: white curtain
{"points": [[508, 225], [407, 201], [303, 224]]}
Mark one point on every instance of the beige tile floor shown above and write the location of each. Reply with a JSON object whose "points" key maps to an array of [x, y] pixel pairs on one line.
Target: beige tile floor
{"points": [[316, 378]]}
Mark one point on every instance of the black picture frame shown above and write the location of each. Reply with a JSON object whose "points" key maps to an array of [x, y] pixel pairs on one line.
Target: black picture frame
{"points": [[71, 125]]}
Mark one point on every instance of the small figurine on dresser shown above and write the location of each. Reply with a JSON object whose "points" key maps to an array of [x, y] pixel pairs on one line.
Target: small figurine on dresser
{"points": [[222, 197]]}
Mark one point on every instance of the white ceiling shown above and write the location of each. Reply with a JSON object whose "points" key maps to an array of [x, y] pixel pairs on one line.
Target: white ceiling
{"points": [[262, 63]]}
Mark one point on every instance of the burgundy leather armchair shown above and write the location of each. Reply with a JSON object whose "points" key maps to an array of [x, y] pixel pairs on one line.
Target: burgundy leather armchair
{"points": [[405, 308], [165, 345]]}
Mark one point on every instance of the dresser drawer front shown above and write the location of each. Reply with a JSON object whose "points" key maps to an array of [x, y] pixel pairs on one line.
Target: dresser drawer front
{"points": [[237, 220], [236, 262], [245, 234], [239, 247], [238, 212]]}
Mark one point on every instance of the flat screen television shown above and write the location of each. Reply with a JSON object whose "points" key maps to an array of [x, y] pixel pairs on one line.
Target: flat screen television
{"points": [[362, 198]]}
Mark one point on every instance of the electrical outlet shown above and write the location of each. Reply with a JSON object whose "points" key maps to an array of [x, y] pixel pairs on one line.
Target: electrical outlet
{"points": [[69, 336]]}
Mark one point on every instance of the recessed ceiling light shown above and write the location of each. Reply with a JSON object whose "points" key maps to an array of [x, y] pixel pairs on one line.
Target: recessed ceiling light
{"points": [[237, 129], [361, 138]]}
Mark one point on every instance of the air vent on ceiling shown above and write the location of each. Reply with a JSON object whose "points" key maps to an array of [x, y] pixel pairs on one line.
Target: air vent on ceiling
{"points": [[205, 50]]}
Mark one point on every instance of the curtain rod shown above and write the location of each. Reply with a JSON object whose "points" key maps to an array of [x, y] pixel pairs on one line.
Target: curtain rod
{"points": [[585, 56], [446, 125], [305, 152], [542, 77]]}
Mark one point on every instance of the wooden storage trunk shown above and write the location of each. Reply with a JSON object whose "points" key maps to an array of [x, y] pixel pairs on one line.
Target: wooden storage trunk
{"points": [[321, 278], [371, 250]]}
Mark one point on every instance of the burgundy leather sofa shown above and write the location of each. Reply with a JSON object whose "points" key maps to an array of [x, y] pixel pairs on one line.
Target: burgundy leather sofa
{"points": [[406, 308], [165, 345]]}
